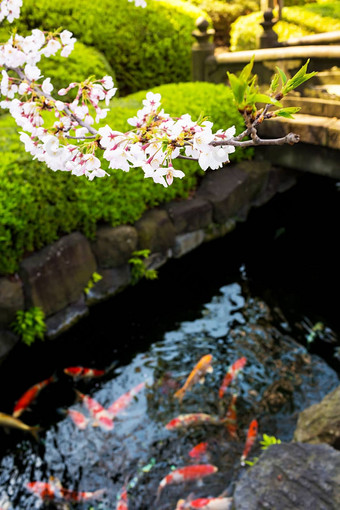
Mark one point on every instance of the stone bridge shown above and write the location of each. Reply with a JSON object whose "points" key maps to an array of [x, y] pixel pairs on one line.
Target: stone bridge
{"points": [[317, 123]]}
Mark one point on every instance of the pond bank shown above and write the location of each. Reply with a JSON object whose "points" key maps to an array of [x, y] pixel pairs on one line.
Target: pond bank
{"points": [[55, 277]]}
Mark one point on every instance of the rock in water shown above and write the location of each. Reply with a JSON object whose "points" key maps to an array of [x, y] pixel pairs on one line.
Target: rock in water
{"points": [[320, 423], [294, 476]]}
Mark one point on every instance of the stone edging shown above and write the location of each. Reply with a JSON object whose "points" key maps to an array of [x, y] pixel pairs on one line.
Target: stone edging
{"points": [[54, 278]]}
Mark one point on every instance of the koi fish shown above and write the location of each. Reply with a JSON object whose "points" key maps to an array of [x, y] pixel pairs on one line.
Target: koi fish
{"points": [[29, 395], [124, 400], [197, 374], [122, 503], [7, 420], [76, 497], [101, 416], [211, 503], [251, 437], [45, 490], [199, 450], [186, 474], [78, 418], [232, 417], [190, 420], [232, 373], [83, 372]]}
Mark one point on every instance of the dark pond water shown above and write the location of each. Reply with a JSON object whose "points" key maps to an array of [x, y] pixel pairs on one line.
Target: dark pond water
{"points": [[255, 293]]}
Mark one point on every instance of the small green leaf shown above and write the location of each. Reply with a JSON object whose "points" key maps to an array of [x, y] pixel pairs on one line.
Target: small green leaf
{"points": [[263, 98], [287, 112], [282, 75], [246, 71]]}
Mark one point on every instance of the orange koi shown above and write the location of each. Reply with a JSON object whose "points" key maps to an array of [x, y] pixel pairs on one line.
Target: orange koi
{"points": [[190, 420], [232, 417], [78, 418], [122, 503], [186, 474], [83, 372], [211, 503], [232, 373], [76, 497], [98, 412], [199, 450], [124, 400], [251, 437], [29, 395], [197, 374]]}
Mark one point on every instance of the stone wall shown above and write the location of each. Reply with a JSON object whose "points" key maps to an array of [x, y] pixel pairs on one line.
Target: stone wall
{"points": [[55, 277]]}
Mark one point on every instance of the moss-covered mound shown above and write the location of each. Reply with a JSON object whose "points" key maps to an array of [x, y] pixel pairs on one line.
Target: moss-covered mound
{"points": [[37, 205], [145, 47]]}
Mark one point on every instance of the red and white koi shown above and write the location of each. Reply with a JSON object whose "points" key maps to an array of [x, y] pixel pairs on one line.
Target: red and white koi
{"points": [[122, 503], [78, 418], [101, 416], [231, 417], [77, 497], [196, 375], [186, 474], [83, 372], [53, 489], [199, 451], [123, 401], [232, 373], [191, 420], [44, 490], [251, 437], [27, 398], [211, 503]]}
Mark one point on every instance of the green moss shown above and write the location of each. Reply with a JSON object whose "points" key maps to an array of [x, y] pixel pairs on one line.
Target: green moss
{"points": [[37, 206], [145, 47]]}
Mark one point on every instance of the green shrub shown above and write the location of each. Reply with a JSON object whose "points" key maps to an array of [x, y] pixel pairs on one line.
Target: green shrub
{"points": [[145, 47], [37, 205], [84, 61], [223, 14], [30, 324], [246, 31], [296, 22]]}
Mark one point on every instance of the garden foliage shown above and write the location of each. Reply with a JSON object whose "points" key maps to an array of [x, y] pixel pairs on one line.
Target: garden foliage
{"points": [[37, 206], [297, 21], [145, 47]]}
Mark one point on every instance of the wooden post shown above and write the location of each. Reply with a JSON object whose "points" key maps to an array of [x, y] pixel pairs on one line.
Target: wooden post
{"points": [[201, 49]]}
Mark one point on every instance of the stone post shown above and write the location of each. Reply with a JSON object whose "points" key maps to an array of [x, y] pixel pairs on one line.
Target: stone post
{"points": [[269, 38], [201, 49]]}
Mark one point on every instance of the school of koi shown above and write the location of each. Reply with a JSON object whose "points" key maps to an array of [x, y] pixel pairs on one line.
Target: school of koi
{"points": [[102, 417]]}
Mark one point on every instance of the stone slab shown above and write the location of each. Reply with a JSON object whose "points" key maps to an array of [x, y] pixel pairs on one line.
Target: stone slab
{"points": [[232, 189], [320, 423], [155, 231], [11, 299], [66, 318], [293, 476], [113, 281], [189, 215], [188, 242], [56, 276], [113, 246], [8, 340]]}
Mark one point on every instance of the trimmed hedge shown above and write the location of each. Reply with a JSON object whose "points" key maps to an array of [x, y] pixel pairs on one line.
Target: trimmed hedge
{"points": [[296, 22], [145, 47], [37, 206]]}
